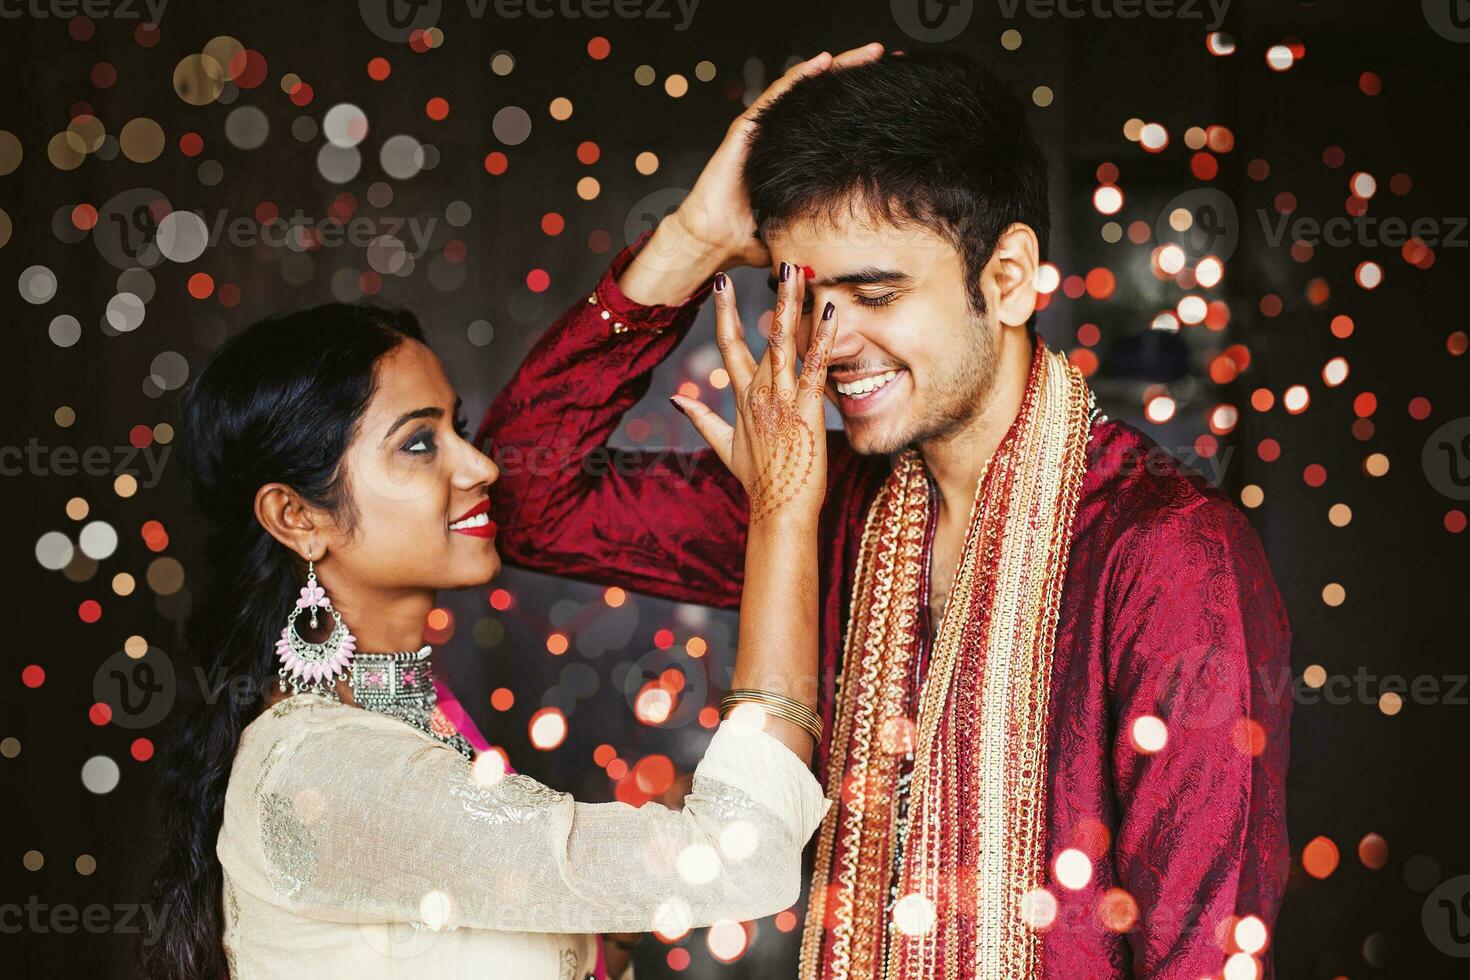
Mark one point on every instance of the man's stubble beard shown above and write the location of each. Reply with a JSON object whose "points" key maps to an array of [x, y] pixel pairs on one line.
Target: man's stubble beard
{"points": [[956, 397]]}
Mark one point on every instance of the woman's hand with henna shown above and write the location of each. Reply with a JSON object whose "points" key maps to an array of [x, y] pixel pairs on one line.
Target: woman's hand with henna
{"points": [[777, 447]]}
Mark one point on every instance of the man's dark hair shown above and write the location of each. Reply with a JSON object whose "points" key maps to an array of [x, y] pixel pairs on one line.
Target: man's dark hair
{"points": [[931, 137]]}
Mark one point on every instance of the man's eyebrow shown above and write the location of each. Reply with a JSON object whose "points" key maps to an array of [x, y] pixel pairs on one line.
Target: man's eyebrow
{"points": [[429, 412], [870, 276]]}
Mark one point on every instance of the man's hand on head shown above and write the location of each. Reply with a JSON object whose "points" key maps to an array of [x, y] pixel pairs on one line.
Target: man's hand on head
{"points": [[713, 229]]}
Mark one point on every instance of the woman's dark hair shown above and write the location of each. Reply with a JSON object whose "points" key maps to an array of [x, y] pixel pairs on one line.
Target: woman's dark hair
{"points": [[928, 136], [279, 402]]}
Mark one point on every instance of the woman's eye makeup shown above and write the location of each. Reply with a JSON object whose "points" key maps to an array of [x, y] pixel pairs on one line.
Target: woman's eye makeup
{"points": [[422, 441]]}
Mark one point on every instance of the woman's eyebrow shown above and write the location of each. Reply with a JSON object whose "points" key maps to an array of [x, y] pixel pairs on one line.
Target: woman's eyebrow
{"points": [[418, 413]]}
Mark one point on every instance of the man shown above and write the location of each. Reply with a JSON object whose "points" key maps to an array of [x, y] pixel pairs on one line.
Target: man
{"points": [[1051, 674]]}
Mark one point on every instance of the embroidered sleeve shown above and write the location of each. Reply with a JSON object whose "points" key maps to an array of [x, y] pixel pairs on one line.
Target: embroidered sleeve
{"points": [[368, 824], [662, 521]]}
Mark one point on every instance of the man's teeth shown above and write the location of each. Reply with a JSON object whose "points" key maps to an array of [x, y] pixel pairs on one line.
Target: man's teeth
{"points": [[864, 385], [479, 520]]}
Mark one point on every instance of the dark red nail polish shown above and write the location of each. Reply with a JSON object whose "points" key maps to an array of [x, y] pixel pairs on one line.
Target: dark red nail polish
{"points": [[785, 272], [827, 312], [720, 282], [678, 406]]}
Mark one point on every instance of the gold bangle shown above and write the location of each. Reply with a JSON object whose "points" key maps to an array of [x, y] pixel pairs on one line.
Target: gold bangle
{"points": [[775, 704], [768, 697], [771, 711]]}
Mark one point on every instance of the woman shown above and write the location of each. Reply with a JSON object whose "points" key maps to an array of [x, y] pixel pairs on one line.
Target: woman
{"points": [[338, 826]]}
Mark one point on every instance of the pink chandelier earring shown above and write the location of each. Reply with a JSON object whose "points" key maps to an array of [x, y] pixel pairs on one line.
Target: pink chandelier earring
{"points": [[312, 666]]}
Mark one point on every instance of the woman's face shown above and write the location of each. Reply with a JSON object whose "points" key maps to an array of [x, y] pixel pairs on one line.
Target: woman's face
{"points": [[420, 490]]}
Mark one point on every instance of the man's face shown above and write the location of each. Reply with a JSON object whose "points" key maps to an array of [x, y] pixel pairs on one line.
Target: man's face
{"points": [[912, 361]]}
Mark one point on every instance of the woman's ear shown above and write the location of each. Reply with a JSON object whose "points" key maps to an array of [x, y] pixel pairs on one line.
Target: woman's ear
{"points": [[287, 518], [1008, 281]]}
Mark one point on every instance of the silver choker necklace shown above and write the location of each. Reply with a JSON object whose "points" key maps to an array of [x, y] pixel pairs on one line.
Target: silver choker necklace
{"points": [[401, 685]]}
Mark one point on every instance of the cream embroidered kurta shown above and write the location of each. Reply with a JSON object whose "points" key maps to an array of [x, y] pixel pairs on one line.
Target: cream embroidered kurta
{"points": [[343, 827]]}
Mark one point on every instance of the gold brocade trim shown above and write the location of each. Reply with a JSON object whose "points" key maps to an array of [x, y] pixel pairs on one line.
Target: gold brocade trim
{"points": [[881, 561], [975, 844]]}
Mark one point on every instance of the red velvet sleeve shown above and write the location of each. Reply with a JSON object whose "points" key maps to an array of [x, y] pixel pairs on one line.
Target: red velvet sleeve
{"points": [[663, 522], [1199, 639]]}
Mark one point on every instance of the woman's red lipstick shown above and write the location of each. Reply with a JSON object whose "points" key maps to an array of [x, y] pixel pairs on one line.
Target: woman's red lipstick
{"points": [[476, 520]]}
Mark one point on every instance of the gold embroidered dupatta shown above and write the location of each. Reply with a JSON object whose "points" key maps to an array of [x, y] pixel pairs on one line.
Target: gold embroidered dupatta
{"points": [[975, 844]]}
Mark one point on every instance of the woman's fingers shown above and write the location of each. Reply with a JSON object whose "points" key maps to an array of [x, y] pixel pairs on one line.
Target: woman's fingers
{"points": [[730, 335], [780, 357], [814, 367], [787, 381], [716, 431]]}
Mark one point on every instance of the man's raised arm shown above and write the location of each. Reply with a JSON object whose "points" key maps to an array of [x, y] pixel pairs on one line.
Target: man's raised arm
{"points": [[659, 521], [667, 523]]}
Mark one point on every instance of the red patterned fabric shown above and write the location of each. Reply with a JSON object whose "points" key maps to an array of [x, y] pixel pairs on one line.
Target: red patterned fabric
{"points": [[1168, 609]]}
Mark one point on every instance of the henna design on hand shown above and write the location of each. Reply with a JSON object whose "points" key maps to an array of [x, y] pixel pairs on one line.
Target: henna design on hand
{"points": [[774, 340], [814, 367], [776, 422]]}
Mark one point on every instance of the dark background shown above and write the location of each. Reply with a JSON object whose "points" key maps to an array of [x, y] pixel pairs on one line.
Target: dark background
{"points": [[1355, 769]]}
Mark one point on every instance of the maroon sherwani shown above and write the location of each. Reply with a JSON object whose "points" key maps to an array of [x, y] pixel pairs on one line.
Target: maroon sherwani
{"points": [[1168, 609]]}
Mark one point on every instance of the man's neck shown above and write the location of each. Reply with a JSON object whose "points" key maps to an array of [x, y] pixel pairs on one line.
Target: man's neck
{"points": [[957, 459]]}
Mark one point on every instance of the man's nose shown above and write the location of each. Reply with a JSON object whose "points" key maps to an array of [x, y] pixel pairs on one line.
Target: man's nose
{"points": [[849, 340]]}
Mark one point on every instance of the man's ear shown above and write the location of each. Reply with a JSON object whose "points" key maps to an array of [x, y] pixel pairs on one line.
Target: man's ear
{"points": [[288, 519], [1008, 281]]}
